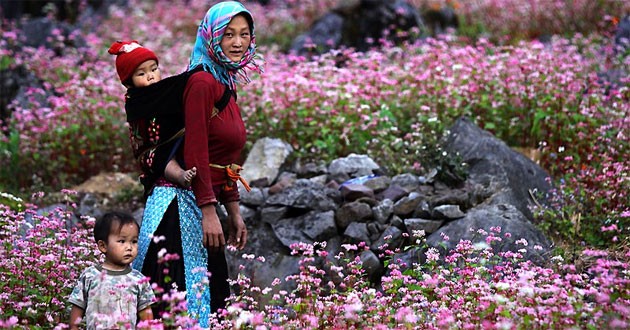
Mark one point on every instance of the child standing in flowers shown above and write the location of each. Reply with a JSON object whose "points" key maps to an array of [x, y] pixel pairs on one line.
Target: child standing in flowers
{"points": [[112, 295], [153, 138]]}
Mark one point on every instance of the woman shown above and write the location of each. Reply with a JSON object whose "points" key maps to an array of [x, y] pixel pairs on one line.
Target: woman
{"points": [[225, 47]]}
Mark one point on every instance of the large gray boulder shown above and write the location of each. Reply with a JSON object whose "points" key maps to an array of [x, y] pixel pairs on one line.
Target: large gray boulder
{"points": [[516, 179], [360, 24], [515, 228]]}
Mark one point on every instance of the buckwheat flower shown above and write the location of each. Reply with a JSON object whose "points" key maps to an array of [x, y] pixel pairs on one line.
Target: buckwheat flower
{"points": [[557, 258], [162, 253], [594, 253], [612, 227], [521, 241], [496, 229], [481, 245], [502, 286], [352, 308], [492, 238], [432, 254], [157, 239], [526, 291]]}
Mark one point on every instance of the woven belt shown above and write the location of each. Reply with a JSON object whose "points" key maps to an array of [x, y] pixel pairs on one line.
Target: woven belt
{"points": [[232, 172]]}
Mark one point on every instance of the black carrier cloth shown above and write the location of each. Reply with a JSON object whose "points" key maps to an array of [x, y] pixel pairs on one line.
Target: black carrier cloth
{"points": [[155, 114]]}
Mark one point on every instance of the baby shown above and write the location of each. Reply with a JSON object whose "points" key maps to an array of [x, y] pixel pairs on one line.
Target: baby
{"points": [[138, 67]]}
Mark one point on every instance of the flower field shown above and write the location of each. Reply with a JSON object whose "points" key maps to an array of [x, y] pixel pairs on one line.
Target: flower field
{"points": [[392, 103]]}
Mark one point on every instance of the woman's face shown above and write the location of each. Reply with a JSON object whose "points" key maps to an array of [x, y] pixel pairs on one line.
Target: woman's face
{"points": [[236, 38]]}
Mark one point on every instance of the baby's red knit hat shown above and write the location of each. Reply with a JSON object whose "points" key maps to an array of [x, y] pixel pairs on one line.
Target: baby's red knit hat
{"points": [[129, 55]]}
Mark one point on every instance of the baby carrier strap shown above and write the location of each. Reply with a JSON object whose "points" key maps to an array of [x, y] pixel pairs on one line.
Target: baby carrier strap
{"points": [[225, 99]]}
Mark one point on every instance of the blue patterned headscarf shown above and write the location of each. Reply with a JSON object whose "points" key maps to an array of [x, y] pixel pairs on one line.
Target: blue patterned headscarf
{"points": [[208, 52]]}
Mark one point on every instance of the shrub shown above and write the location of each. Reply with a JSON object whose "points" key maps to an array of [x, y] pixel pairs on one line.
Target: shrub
{"points": [[515, 20], [43, 255]]}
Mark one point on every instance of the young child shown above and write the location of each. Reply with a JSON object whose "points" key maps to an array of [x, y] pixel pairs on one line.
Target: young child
{"points": [[112, 295], [138, 67]]}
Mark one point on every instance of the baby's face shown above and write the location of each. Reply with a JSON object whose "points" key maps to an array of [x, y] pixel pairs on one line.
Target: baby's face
{"points": [[121, 247], [146, 74]]}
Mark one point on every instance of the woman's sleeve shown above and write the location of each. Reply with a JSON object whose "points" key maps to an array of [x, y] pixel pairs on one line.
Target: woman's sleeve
{"points": [[199, 97]]}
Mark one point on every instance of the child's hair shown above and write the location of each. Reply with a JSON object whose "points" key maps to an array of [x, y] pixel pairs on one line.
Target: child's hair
{"points": [[103, 226]]}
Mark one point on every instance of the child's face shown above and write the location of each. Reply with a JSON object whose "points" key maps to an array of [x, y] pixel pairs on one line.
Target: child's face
{"points": [[121, 248], [146, 74], [236, 38]]}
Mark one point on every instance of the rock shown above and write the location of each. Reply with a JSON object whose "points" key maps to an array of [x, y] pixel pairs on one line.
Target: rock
{"points": [[353, 166], [423, 210], [321, 226], [38, 32], [397, 222], [372, 265], [284, 181], [351, 212], [109, 184], [447, 212], [417, 224], [352, 192], [304, 194], [256, 197], [15, 84], [374, 230], [309, 169], [360, 25], [622, 35], [440, 20], [390, 239], [486, 216], [325, 34], [249, 214], [383, 211], [407, 205], [407, 181], [492, 162], [271, 214], [378, 183], [308, 228], [460, 197], [278, 263], [265, 159], [393, 193], [357, 232], [320, 179], [91, 205]]}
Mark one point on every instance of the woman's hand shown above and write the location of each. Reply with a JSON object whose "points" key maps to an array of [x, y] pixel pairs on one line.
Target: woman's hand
{"points": [[213, 238], [236, 226]]}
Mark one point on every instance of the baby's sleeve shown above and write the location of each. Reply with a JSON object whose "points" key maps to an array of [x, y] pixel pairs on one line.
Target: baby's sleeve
{"points": [[79, 293], [146, 297]]}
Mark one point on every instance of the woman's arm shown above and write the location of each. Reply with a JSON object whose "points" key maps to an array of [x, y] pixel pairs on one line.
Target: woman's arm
{"points": [[237, 232]]}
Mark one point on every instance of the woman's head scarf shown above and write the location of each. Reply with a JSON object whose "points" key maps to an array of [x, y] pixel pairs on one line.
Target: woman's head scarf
{"points": [[208, 52]]}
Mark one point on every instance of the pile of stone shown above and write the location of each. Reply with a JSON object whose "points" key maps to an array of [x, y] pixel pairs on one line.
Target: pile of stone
{"points": [[350, 201]]}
